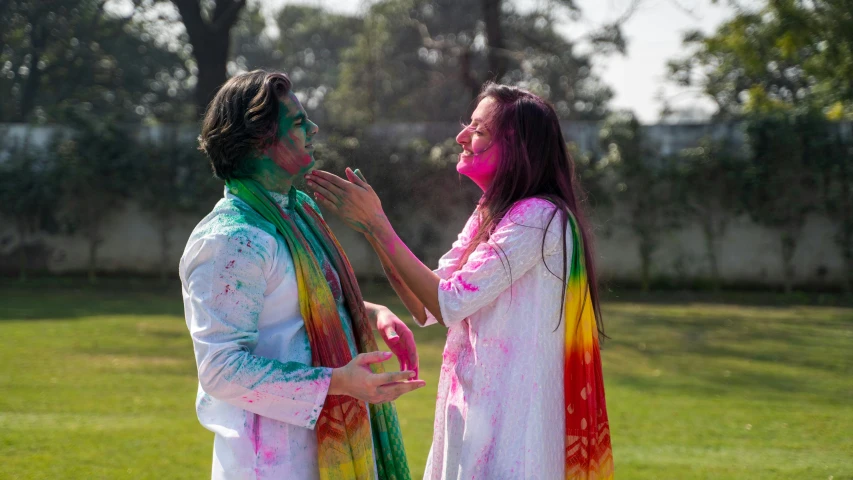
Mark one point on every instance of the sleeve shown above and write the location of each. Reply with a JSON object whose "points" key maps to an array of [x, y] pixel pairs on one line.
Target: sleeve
{"points": [[448, 262], [512, 250], [224, 279]]}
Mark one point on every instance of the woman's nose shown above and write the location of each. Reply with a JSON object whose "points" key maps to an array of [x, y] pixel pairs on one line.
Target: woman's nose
{"points": [[463, 137]]}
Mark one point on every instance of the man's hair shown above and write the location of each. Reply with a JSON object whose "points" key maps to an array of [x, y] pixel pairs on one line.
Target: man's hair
{"points": [[241, 120]]}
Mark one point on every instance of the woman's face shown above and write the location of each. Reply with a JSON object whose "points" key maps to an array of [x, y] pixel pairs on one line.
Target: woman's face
{"points": [[480, 153]]}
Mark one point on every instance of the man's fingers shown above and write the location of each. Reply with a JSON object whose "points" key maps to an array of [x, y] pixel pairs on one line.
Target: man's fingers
{"points": [[372, 357]]}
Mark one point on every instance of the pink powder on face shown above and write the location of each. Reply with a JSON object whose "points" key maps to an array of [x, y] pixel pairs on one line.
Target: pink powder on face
{"points": [[286, 159]]}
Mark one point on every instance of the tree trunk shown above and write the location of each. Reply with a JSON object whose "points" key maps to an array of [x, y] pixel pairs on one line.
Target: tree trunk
{"points": [[845, 224], [22, 265], [212, 59], [466, 75], [789, 246], [31, 85], [646, 249], [494, 37], [165, 224], [211, 41], [846, 241], [22, 250], [712, 245], [711, 251], [93, 260]]}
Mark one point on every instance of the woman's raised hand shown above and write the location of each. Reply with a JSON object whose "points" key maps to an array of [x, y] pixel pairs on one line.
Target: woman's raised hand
{"points": [[354, 201]]}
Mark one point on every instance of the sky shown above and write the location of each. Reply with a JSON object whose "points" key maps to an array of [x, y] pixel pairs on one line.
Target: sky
{"points": [[653, 32]]}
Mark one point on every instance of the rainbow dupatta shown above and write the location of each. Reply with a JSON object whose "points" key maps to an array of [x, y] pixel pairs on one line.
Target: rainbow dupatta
{"points": [[346, 436], [589, 454]]}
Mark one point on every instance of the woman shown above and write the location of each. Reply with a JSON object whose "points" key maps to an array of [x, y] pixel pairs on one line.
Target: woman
{"points": [[282, 337], [521, 392]]}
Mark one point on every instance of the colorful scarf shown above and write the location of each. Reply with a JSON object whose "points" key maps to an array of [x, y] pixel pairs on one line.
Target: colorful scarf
{"points": [[589, 454], [345, 445]]}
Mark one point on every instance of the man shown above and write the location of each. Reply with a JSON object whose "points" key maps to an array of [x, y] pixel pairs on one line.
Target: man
{"points": [[283, 340]]}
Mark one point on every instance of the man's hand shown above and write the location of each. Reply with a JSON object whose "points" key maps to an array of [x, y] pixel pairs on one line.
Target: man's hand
{"points": [[358, 381], [399, 339]]}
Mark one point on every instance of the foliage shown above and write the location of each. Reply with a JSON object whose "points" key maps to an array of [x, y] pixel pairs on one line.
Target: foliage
{"points": [[308, 44], [70, 57], [833, 163], [95, 170], [707, 184], [793, 55], [172, 178], [420, 60], [781, 183], [28, 195], [641, 181]]}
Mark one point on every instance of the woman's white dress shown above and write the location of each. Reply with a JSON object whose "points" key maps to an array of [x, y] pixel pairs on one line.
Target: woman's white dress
{"points": [[499, 411]]}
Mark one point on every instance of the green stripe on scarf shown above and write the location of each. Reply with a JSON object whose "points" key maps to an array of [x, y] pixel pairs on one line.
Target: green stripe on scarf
{"points": [[344, 433]]}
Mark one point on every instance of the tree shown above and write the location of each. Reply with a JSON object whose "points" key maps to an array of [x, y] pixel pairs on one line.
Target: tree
{"points": [[641, 181], [28, 196], [79, 55], [422, 60], [208, 25], [793, 54], [173, 178], [834, 163], [781, 187], [95, 167], [708, 182], [308, 45]]}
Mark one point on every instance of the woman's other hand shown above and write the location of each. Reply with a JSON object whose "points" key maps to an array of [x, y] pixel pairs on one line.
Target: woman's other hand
{"points": [[399, 339]]}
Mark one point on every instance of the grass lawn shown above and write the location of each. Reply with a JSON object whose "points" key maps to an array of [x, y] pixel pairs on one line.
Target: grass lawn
{"points": [[100, 383]]}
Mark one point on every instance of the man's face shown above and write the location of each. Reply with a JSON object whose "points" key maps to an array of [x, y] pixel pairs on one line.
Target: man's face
{"points": [[293, 151]]}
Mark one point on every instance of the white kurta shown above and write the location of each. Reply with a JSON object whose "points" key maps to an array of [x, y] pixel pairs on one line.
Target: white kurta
{"points": [[257, 391], [499, 412]]}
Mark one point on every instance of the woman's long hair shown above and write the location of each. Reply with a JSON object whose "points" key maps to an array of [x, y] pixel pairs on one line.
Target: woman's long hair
{"points": [[534, 163]]}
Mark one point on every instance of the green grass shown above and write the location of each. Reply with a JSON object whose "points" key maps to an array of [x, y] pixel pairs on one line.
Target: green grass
{"points": [[100, 383]]}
